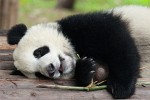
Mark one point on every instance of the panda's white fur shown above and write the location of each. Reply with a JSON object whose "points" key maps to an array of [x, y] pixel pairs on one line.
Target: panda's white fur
{"points": [[138, 18], [41, 35]]}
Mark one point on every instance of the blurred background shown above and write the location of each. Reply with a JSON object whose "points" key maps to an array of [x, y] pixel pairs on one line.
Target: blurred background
{"points": [[32, 12]]}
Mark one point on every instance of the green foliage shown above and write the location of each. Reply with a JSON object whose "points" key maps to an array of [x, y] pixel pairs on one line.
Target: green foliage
{"points": [[28, 5], [90, 5], [38, 11], [81, 5]]}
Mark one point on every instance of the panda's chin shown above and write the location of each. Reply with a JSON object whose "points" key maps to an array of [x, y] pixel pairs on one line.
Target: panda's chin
{"points": [[56, 75], [66, 75]]}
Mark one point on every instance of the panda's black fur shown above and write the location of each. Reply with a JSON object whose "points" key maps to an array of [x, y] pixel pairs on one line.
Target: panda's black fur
{"points": [[105, 38], [101, 37]]}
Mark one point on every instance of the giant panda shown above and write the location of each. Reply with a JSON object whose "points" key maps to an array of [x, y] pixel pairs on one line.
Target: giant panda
{"points": [[100, 37]]}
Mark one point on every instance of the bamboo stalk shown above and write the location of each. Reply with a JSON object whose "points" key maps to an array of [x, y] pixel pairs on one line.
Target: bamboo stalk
{"points": [[73, 87], [142, 83], [93, 88]]}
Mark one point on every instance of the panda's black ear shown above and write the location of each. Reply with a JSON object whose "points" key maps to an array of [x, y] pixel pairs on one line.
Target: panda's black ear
{"points": [[16, 33]]}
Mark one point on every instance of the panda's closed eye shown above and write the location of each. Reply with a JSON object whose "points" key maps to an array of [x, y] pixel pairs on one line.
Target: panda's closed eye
{"points": [[38, 53]]}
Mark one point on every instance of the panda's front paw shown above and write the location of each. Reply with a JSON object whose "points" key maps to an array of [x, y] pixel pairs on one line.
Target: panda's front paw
{"points": [[85, 70]]}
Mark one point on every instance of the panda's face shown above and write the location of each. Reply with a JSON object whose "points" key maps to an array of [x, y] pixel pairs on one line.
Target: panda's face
{"points": [[44, 49], [53, 63]]}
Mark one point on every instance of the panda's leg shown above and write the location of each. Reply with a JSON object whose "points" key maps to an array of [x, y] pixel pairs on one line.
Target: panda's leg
{"points": [[123, 73]]}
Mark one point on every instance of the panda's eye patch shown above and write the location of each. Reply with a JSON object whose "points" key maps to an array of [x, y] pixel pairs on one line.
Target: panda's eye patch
{"points": [[38, 53]]}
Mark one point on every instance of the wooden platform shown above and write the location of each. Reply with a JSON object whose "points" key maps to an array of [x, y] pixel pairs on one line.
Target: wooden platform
{"points": [[21, 88]]}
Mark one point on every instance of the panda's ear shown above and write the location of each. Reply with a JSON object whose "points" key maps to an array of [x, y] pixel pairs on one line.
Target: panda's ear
{"points": [[16, 33]]}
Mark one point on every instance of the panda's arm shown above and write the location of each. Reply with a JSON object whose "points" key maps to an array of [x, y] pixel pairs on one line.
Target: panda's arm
{"points": [[21, 73], [88, 71], [16, 72]]}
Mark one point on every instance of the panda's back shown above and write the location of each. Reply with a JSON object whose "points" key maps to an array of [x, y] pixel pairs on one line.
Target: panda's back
{"points": [[98, 34]]}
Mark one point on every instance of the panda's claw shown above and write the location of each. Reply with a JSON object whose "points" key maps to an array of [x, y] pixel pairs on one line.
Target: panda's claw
{"points": [[91, 59], [91, 72], [94, 65], [84, 58]]}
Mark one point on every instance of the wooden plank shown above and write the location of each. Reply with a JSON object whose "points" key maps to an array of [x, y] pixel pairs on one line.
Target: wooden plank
{"points": [[5, 74], [7, 65], [25, 83], [6, 56], [3, 32], [4, 45], [26, 88], [52, 94]]}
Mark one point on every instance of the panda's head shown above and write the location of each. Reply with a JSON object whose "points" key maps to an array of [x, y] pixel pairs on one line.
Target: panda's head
{"points": [[42, 48]]}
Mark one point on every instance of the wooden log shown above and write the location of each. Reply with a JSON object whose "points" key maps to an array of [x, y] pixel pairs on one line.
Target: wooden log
{"points": [[6, 55], [4, 45], [5, 74], [8, 13], [3, 32], [7, 65]]}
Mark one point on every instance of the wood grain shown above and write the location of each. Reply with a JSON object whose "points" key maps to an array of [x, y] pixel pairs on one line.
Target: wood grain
{"points": [[8, 13]]}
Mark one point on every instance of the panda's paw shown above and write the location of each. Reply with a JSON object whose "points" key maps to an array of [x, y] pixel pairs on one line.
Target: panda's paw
{"points": [[85, 70], [120, 91]]}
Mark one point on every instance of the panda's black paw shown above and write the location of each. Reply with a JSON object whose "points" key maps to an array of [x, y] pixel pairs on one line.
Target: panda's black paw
{"points": [[119, 90], [85, 70]]}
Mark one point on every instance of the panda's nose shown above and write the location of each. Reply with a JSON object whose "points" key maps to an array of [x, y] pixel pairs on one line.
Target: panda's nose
{"points": [[51, 70]]}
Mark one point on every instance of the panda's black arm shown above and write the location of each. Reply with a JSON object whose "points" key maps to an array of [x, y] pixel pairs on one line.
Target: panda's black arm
{"points": [[37, 74], [88, 70], [84, 71], [16, 72]]}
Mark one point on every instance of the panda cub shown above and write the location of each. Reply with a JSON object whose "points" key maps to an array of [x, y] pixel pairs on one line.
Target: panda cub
{"points": [[100, 37]]}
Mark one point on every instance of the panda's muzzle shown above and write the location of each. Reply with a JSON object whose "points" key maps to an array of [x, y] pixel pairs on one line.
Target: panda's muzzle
{"points": [[51, 70]]}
